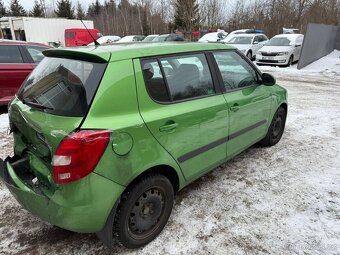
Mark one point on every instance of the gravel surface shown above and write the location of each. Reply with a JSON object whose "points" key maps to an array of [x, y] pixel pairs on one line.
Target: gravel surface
{"points": [[279, 200]]}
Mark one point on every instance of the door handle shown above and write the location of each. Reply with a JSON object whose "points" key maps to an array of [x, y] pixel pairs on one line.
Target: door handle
{"points": [[235, 108], [168, 127]]}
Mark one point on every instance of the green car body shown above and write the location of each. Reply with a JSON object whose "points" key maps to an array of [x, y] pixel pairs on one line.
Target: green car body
{"points": [[181, 140]]}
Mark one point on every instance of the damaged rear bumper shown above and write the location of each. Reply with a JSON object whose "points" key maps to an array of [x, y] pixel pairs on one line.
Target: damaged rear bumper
{"points": [[83, 206]]}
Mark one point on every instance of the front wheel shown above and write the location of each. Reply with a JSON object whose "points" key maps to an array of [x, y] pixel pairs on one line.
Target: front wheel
{"points": [[276, 128], [144, 211], [290, 61]]}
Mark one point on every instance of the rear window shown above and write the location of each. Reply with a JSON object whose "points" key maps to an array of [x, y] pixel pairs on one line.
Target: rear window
{"points": [[63, 86], [70, 35]]}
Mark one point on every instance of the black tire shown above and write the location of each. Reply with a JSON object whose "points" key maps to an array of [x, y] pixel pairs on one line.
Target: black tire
{"points": [[249, 55], [290, 61], [275, 129], [144, 211]]}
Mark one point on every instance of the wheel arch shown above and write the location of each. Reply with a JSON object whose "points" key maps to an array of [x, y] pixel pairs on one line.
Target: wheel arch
{"points": [[165, 170]]}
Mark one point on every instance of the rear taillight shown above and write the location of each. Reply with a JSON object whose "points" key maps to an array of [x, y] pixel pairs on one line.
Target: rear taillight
{"points": [[78, 154]]}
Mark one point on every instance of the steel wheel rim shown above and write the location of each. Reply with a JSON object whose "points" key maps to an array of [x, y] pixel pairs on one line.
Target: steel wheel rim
{"points": [[146, 213], [277, 126]]}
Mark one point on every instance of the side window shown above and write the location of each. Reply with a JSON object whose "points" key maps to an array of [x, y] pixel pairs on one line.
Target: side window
{"points": [[154, 80], [10, 54], [36, 52], [184, 77], [299, 40], [257, 39], [236, 72], [190, 76]]}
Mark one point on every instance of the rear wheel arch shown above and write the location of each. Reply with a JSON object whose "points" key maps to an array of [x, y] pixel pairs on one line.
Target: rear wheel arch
{"points": [[165, 170]]}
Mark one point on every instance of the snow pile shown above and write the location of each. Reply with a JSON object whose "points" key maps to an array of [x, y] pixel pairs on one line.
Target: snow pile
{"points": [[328, 65], [3, 122]]}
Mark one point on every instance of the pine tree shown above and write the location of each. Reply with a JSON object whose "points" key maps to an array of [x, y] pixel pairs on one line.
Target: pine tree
{"points": [[3, 11], [186, 15], [37, 10], [64, 9], [94, 9], [16, 9], [80, 11]]}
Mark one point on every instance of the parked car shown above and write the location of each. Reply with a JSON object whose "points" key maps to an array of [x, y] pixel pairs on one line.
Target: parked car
{"points": [[213, 37], [132, 38], [106, 137], [168, 38], [283, 49], [107, 39], [149, 38], [249, 44], [80, 36], [17, 60]]}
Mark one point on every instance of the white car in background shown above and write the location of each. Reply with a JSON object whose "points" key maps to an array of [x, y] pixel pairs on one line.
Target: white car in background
{"points": [[282, 49], [107, 39], [132, 38], [249, 44], [213, 37]]}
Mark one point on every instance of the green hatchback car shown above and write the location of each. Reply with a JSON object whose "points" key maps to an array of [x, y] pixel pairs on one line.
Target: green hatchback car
{"points": [[104, 137]]}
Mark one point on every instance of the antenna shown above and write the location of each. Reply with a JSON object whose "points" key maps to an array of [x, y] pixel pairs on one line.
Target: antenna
{"points": [[94, 40]]}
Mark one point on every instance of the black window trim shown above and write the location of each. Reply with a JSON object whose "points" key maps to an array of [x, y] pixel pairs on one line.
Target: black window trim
{"points": [[220, 79], [214, 76]]}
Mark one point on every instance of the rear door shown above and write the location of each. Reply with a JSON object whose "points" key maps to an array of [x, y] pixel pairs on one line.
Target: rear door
{"points": [[184, 110], [249, 102], [14, 68]]}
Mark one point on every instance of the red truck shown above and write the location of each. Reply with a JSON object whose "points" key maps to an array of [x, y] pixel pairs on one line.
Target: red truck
{"points": [[80, 36]]}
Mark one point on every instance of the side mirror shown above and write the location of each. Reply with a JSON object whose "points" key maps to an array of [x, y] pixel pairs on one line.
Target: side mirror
{"points": [[297, 45], [255, 42], [268, 79]]}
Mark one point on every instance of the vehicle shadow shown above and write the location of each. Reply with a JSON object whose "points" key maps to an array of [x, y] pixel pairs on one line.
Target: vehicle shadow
{"points": [[3, 109]]}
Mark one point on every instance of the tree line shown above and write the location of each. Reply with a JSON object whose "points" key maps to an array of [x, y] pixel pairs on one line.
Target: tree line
{"points": [[122, 17]]}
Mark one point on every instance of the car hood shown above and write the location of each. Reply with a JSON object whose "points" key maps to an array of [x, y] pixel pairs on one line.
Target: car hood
{"points": [[276, 48]]}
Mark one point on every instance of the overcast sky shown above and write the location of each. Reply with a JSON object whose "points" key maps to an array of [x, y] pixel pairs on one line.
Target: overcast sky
{"points": [[28, 4]]}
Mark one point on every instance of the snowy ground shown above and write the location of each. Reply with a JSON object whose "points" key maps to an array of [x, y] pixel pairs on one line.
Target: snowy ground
{"points": [[279, 200]]}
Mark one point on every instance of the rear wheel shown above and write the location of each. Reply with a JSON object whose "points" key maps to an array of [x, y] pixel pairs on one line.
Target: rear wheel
{"points": [[276, 128], [144, 211]]}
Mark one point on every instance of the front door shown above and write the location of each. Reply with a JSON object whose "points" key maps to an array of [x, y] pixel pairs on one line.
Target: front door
{"points": [[184, 111], [249, 101]]}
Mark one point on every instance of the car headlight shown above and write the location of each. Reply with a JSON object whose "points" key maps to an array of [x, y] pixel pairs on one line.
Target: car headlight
{"points": [[282, 53]]}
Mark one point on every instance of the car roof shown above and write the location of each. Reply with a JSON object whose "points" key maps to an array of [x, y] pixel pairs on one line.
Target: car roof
{"points": [[290, 36], [120, 51], [246, 35], [16, 42]]}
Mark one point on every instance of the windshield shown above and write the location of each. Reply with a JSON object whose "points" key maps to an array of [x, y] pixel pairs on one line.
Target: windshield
{"points": [[279, 41], [149, 38], [62, 86], [160, 38], [240, 40]]}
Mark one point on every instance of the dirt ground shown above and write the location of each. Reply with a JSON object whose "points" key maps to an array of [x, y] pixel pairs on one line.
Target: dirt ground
{"points": [[279, 200]]}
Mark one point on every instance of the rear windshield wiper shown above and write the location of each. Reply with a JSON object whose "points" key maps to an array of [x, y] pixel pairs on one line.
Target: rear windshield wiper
{"points": [[37, 105]]}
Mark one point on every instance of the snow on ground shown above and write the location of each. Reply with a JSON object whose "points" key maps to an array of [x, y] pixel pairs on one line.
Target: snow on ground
{"points": [[3, 122], [279, 200]]}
